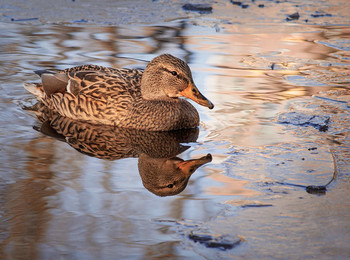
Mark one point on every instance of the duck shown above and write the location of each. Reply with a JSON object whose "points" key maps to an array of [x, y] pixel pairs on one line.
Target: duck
{"points": [[153, 99]]}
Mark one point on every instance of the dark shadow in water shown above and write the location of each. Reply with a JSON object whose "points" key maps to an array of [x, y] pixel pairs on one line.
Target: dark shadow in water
{"points": [[162, 173]]}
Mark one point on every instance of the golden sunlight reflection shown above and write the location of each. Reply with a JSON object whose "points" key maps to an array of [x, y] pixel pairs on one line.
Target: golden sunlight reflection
{"points": [[251, 74], [228, 186]]}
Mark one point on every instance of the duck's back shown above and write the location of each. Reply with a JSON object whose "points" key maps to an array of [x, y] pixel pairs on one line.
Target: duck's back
{"points": [[91, 78], [91, 93]]}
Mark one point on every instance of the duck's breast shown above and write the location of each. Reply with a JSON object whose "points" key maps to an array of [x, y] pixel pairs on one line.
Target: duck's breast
{"points": [[162, 116]]}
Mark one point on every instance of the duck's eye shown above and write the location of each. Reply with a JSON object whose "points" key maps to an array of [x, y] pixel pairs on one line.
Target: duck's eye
{"points": [[170, 186], [174, 73]]}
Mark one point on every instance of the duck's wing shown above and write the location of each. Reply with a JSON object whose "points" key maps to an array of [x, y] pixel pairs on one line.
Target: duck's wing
{"points": [[78, 78], [91, 67], [100, 84], [89, 92]]}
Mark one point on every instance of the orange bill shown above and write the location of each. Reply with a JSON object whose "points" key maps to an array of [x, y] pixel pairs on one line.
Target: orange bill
{"points": [[190, 166], [193, 93]]}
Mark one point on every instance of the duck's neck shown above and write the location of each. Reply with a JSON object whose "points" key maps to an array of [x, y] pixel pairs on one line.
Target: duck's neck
{"points": [[146, 95], [151, 86], [152, 92]]}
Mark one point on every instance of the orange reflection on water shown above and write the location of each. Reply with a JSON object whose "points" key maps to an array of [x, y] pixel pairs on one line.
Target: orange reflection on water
{"points": [[230, 186]]}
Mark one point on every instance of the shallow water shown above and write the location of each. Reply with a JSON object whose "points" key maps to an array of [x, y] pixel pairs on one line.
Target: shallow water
{"points": [[59, 203]]}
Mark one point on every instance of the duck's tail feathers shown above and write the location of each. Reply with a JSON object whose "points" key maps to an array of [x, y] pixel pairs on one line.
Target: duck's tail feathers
{"points": [[36, 89]]}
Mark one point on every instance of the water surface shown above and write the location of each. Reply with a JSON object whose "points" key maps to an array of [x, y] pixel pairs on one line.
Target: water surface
{"points": [[58, 202]]}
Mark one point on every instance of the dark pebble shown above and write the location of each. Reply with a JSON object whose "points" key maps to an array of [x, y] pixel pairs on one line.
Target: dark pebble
{"points": [[256, 205], [80, 21], [244, 6], [214, 242], [236, 3], [200, 237], [261, 6], [320, 14], [320, 190], [24, 19], [201, 8], [323, 128], [294, 16], [312, 148]]}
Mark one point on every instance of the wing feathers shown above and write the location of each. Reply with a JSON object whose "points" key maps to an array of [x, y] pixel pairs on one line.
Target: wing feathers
{"points": [[54, 83], [90, 93]]}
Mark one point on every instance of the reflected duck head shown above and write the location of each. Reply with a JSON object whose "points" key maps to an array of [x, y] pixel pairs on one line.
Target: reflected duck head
{"points": [[168, 176], [168, 78]]}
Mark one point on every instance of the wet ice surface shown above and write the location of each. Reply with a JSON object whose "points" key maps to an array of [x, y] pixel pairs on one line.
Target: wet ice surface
{"points": [[275, 85], [301, 119]]}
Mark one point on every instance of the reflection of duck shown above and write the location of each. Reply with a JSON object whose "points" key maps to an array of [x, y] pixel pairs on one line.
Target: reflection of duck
{"points": [[126, 98], [161, 171], [168, 176]]}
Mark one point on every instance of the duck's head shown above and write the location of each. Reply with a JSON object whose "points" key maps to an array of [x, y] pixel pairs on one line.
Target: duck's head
{"points": [[167, 77]]}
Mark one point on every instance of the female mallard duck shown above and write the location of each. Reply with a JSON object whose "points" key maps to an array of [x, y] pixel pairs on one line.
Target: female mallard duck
{"points": [[129, 98]]}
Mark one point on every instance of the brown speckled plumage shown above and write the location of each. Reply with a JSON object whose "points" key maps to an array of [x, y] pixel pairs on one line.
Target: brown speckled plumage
{"points": [[126, 98]]}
